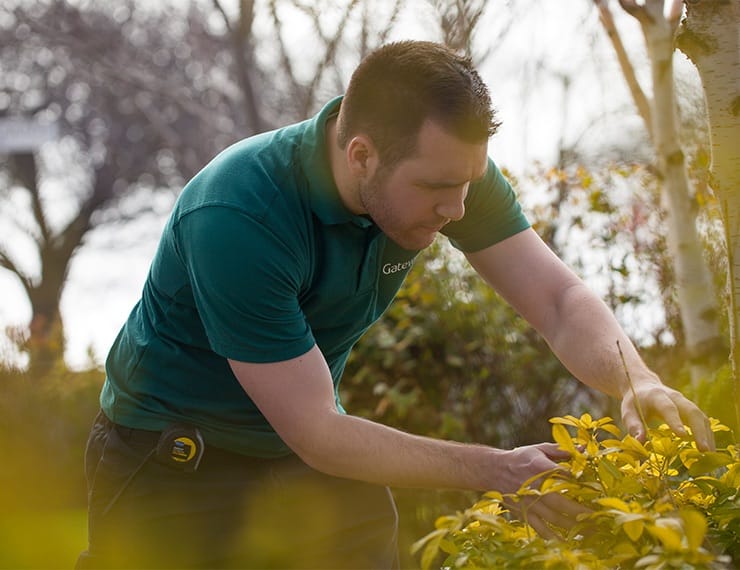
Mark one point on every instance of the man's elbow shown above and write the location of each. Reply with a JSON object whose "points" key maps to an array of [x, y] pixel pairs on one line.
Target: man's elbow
{"points": [[313, 439]]}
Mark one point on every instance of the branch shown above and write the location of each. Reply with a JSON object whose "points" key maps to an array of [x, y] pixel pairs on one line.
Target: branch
{"points": [[8, 264], [636, 10], [674, 13], [628, 70], [329, 55], [23, 228], [225, 17], [71, 236], [285, 61], [243, 54], [391, 21], [24, 169]]}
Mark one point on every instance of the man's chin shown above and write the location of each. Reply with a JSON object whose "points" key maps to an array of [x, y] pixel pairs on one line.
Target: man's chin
{"points": [[414, 242]]}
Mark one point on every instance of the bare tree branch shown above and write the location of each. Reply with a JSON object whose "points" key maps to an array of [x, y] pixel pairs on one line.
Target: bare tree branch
{"points": [[9, 264], [628, 70], [24, 168], [285, 60], [391, 22], [329, 54], [636, 10], [674, 12], [242, 50]]}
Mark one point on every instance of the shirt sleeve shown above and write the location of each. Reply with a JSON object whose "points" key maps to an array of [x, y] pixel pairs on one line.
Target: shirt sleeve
{"points": [[245, 280], [492, 214]]}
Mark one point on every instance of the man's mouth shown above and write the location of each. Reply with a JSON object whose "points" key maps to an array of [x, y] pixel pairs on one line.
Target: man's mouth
{"points": [[436, 227]]}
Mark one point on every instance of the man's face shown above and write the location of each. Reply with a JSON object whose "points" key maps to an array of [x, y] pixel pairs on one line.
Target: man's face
{"points": [[412, 201]]}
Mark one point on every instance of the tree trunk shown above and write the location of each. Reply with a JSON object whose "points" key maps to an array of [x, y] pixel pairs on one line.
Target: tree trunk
{"points": [[46, 340], [45, 343], [699, 315], [710, 37], [693, 284]]}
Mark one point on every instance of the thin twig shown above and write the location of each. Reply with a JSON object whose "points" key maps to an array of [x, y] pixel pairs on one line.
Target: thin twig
{"points": [[632, 388]]}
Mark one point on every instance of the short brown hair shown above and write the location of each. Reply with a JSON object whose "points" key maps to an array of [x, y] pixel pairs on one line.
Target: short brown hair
{"points": [[402, 84]]}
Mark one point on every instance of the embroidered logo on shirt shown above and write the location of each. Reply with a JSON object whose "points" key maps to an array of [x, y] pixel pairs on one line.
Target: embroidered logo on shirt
{"points": [[391, 268]]}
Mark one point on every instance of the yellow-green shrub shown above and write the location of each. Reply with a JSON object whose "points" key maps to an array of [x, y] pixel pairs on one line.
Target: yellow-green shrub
{"points": [[658, 504]]}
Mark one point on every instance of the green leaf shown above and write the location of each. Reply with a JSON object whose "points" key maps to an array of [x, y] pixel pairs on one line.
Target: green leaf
{"points": [[494, 495], [448, 546], [708, 462], [668, 536], [430, 542], [563, 439], [426, 538], [647, 560], [567, 420], [586, 420], [430, 552], [526, 487], [607, 470], [448, 522], [633, 529], [614, 503], [629, 443], [695, 527], [612, 429]]}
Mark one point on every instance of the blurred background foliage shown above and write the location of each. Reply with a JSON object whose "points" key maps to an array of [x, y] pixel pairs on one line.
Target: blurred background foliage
{"points": [[143, 95]]}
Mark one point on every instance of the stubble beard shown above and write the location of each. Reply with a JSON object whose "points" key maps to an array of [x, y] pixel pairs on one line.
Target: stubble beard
{"points": [[371, 198]]}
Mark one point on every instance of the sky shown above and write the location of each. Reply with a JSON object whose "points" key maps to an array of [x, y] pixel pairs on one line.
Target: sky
{"points": [[549, 41]]}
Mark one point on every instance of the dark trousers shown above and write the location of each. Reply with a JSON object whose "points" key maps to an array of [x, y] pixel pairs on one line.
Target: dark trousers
{"points": [[232, 512]]}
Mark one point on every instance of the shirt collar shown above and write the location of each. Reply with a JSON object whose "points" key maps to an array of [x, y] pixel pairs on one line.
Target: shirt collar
{"points": [[323, 192]]}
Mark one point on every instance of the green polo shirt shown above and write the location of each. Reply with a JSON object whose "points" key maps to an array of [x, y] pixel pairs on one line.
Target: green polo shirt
{"points": [[259, 262]]}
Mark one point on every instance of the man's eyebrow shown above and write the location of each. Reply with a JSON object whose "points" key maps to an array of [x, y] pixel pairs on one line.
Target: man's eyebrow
{"points": [[451, 183], [443, 184]]}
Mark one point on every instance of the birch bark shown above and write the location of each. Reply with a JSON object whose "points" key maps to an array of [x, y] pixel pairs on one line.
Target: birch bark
{"points": [[693, 283], [710, 36]]}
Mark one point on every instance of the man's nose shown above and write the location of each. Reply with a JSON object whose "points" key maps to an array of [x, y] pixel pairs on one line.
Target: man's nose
{"points": [[453, 205]]}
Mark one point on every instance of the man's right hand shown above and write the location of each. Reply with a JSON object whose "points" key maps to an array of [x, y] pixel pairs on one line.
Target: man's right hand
{"points": [[545, 513]]}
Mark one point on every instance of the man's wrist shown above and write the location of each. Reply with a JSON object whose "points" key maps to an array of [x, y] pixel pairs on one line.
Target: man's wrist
{"points": [[637, 381], [493, 470]]}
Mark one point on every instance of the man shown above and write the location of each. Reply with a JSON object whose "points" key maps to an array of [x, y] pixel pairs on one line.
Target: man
{"points": [[268, 271]]}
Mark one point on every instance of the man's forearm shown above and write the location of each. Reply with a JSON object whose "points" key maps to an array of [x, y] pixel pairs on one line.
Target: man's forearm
{"points": [[589, 341], [357, 448]]}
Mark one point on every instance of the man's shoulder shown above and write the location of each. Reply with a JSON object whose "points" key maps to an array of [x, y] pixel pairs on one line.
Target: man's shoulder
{"points": [[254, 175]]}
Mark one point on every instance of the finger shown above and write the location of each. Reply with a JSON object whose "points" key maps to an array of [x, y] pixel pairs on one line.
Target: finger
{"points": [[555, 518], [560, 504], [699, 423], [665, 408], [541, 527], [553, 508], [631, 420], [553, 452]]}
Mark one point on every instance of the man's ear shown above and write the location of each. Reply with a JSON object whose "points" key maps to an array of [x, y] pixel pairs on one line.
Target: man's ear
{"points": [[362, 156]]}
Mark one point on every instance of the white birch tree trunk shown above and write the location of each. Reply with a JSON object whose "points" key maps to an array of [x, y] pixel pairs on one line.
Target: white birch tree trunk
{"points": [[696, 303], [710, 37]]}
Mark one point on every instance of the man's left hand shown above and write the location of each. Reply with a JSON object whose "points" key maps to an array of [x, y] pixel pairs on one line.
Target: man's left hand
{"points": [[658, 401]]}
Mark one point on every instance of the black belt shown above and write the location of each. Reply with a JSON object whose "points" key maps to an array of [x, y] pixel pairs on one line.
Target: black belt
{"points": [[210, 456]]}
